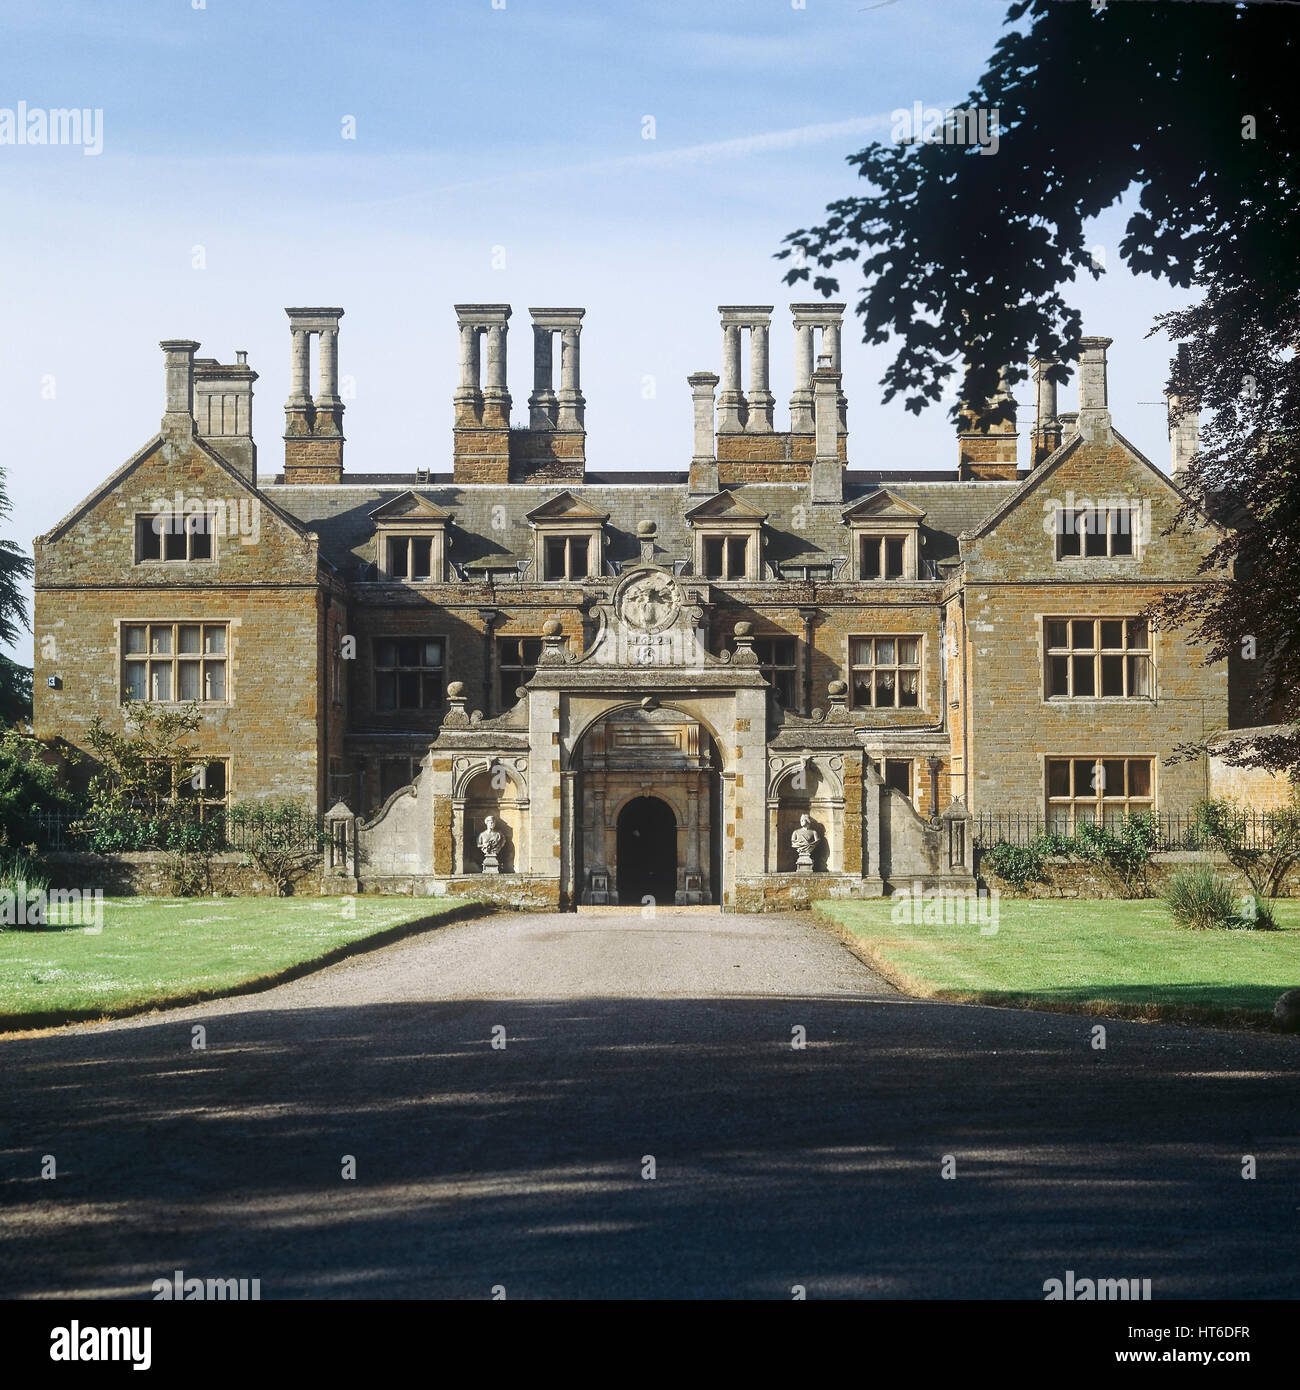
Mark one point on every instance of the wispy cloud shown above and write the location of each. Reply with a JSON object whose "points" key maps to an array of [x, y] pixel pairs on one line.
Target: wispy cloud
{"points": [[684, 156]]}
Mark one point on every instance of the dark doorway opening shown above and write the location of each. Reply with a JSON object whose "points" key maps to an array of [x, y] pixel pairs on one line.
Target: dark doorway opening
{"points": [[647, 851]]}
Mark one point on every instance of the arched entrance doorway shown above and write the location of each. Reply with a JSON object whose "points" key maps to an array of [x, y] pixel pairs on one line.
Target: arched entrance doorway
{"points": [[647, 851], [647, 806]]}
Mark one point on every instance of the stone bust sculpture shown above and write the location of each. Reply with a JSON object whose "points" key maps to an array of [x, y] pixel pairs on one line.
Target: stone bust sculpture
{"points": [[490, 838], [804, 840]]}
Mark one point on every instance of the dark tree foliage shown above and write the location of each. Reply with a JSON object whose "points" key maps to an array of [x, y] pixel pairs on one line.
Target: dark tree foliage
{"points": [[15, 570], [965, 258]]}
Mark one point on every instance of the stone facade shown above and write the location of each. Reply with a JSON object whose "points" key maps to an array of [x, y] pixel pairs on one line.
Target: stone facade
{"points": [[647, 680]]}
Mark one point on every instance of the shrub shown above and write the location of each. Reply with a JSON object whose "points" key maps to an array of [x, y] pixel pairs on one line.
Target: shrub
{"points": [[22, 872], [1123, 853], [1017, 864], [283, 838], [31, 787], [1200, 899]]}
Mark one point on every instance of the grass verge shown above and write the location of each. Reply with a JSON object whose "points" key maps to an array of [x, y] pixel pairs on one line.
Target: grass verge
{"points": [[155, 953], [1122, 958]]}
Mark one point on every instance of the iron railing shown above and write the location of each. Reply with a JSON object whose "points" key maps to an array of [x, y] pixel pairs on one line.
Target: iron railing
{"points": [[1175, 830]]}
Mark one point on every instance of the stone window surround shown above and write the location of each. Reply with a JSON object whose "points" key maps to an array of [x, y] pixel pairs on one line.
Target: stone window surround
{"points": [[749, 531], [150, 519], [1068, 805], [850, 666], [1126, 651], [435, 532], [1076, 527], [202, 658], [593, 532], [892, 528]]}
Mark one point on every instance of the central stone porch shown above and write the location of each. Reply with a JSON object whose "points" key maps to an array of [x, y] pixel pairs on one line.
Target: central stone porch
{"points": [[645, 770]]}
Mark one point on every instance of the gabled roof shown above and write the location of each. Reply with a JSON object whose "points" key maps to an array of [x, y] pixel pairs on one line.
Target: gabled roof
{"points": [[882, 504], [725, 506], [111, 483], [564, 506], [410, 506], [1049, 466]]}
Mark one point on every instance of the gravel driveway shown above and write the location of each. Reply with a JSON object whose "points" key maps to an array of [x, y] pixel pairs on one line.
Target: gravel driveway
{"points": [[625, 1042]]}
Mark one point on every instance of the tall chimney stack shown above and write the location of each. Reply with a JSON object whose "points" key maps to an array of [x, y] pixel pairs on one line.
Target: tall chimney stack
{"points": [[1184, 423], [313, 429], [1094, 414], [989, 455], [827, 468], [704, 459], [178, 386], [223, 410], [809, 320], [1047, 422]]}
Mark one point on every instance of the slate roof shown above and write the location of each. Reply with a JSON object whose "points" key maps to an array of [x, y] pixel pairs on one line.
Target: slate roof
{"points": [[341, 513]]}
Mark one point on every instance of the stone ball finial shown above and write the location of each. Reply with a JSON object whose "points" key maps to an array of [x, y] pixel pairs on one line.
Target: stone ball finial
{"points": [[455, 689], [743, 629], [552, 627], [646, 528], [837, 688]]}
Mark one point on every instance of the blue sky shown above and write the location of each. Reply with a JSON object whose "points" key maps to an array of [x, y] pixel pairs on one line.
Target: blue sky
{"points": [[482, 133]]}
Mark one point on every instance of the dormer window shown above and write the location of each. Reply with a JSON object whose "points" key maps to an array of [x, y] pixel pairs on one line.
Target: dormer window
{"points": [[887, 536], [882, 557], [566, 557], [411, 540], [728, 538], [725, 557], [568, 539], [408, 557]]}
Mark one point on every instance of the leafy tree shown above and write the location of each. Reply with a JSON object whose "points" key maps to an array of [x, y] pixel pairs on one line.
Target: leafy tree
{"points": [[1263, 849], [30, 787], [965, 257], [138, 798], [15, 570]]}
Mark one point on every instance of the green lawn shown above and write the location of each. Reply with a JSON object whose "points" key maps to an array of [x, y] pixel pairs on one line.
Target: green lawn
{"points": [[1125, 958], [157, 951]]}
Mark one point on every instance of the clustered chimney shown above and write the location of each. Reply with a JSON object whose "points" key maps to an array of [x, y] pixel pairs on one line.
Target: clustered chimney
{"points": [[990, 454], [744, 447], [484, 447], [313, 429], [223, 410], [1184, 422]]}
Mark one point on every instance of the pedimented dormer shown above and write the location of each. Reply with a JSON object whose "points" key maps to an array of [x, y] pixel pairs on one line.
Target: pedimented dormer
{"points": [[411, 539], [728, 538], [886, 534], [568, 539]]}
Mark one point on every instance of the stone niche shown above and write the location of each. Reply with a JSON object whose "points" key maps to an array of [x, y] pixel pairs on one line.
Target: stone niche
{"points": [[491, 791], [801, 787], [629, 756]]}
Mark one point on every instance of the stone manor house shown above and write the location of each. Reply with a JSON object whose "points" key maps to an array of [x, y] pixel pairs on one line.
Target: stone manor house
{"points": [[647, 679]]}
